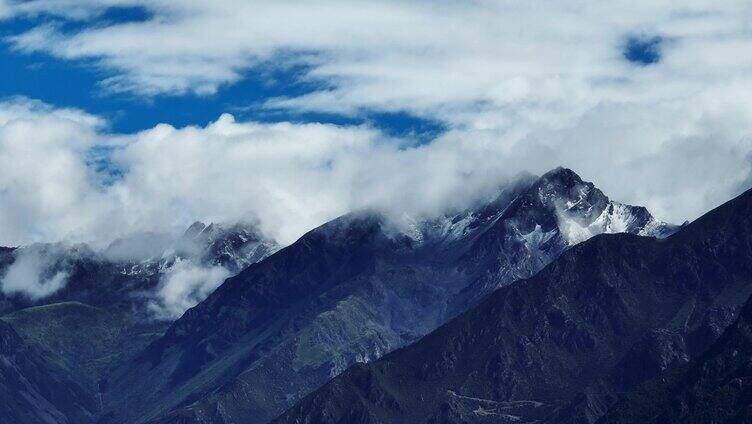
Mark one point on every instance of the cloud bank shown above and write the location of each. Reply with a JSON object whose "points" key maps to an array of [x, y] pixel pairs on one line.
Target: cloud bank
{"points": [[289, 177], [35, 273], [519, 85], [293, 177]]}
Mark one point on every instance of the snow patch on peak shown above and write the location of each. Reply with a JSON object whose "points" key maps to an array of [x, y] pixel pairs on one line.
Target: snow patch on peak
{"points": [[572, 231], [658, 229], [449, 228], [536, 238], [582, 193], [444, 229], [413, 229], [615, 218]]}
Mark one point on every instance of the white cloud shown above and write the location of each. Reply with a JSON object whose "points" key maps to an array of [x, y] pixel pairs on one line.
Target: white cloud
{"points": [[69, 9], [5, 9], [290, 177], [33, 274], [46, 189], [183, 286], [428, 57], [520, 85], [293, 177], [284, 173]]}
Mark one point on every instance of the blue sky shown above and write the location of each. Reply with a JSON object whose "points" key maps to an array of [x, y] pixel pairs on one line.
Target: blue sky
{"points": [[296, 112], [643, 50], [77, 84]]}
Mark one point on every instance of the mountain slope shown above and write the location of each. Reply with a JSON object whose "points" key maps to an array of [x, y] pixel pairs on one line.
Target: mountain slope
{"points": [[83, 340], [104, 313], [350, 291], [558, 211], [34, 391], [716, 387], [609, 314]]}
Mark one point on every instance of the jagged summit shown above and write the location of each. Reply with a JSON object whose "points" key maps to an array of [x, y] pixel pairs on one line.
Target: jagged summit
{"points": [[128, 272], [194, 230], [548, 216], [234, 246], [559, 201], [352, 290], [358, 288], [562, 185], [562, 177], [564, 345]]}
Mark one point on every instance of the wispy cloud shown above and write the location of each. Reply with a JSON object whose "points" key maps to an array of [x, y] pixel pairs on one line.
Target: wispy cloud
{"points": [[34, 273], [183, 286], [438, 58]]}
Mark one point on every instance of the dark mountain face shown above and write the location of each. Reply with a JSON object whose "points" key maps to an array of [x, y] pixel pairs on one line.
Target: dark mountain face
{"points": [[560, 347], [716, 387], [33, 390], [350, 291], [82, 340]]}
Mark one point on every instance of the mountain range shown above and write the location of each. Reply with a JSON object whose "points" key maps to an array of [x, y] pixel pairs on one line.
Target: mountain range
{"points": [[104, 312], [609, 315], [350, 291], [545, 302]]}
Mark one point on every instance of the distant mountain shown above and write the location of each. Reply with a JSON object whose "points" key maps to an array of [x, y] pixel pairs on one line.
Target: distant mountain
{"points": [[715, 387], [351, 291], [560, 347], [104, 311], [234, 247], [126, 274]]}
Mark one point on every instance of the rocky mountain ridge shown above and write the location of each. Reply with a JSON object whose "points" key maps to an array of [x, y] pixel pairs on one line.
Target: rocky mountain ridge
{"points": [[351, 291], [561, 347]]}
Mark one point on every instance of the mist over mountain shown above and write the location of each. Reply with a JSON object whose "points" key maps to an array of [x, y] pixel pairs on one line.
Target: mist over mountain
{"points": [[352, 290], [375, 211], [547, 301], [154, 273], [611, 313], [173, 111], [77, 312]]}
